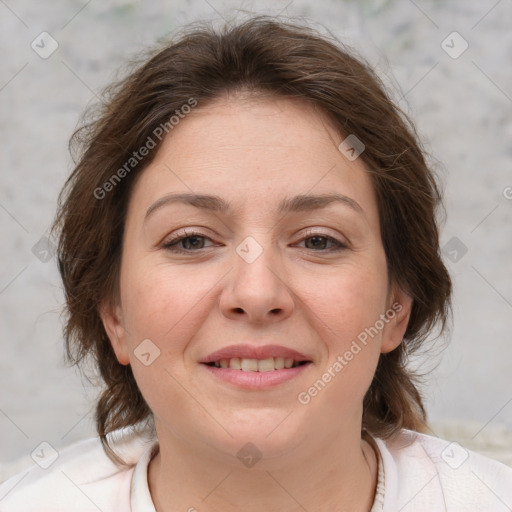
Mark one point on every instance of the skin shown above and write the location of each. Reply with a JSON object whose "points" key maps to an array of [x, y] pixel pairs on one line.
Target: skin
{"points": [[254, 152]]}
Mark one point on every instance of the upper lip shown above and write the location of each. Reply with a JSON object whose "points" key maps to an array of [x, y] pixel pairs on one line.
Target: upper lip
{"points": [[245, 351]]}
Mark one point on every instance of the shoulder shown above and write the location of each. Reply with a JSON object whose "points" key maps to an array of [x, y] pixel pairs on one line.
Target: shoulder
{"points": [[424, 472], [80, 477]]}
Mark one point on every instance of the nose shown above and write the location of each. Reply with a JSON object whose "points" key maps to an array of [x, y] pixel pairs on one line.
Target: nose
{"points": [[257, 290]]}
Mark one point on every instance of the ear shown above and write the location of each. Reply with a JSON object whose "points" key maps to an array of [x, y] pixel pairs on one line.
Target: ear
{"points": [[112, 317], [398, 313]]}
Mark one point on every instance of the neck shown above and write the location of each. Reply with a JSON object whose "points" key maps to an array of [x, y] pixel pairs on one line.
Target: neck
{"points": [[337, 474]]}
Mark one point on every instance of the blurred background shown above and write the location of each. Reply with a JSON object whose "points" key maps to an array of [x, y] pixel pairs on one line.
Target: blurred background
{"points": [[447, 63]]}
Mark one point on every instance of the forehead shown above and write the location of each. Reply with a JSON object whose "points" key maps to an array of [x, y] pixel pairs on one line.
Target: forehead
{"points": [[260, 149]]}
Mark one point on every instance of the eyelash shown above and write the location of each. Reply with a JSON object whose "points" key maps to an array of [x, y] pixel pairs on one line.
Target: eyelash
{"points": [[171, 244]]}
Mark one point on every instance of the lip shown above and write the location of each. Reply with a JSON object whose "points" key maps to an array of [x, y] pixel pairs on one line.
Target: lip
{"points": [[256, 380], [245, 351]]}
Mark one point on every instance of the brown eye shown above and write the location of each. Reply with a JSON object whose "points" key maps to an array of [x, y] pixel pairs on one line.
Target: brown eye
{"points": [[189, 243], [323, 243]]}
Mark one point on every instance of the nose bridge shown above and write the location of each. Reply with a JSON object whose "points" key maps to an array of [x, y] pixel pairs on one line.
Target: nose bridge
{"points": [[256, 261], [257, 286]]}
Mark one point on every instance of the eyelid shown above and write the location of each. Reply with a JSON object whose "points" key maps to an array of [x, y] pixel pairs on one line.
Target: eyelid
{"points": [[184, 233], [343, 240]]}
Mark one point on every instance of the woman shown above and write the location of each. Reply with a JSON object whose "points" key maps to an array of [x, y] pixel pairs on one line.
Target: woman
{"points": [[249, 251]]}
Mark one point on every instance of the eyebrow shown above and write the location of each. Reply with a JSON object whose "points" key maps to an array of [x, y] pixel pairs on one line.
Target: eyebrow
{"points": [[298, 203]]}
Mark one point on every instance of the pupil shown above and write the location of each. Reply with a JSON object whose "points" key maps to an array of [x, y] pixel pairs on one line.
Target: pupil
{"points": [[187, 240], [317, 239]]}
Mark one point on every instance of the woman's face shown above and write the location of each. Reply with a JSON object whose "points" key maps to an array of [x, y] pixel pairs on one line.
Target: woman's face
{"points": [[255, 256]]}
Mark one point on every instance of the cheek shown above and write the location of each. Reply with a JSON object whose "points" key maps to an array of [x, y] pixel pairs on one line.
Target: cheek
{"points": [[166, 306], [345, 308], [349, 300], [164, 302]]}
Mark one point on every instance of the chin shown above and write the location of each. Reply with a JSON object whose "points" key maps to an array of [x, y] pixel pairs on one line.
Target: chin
{"points": [[264, 437]]}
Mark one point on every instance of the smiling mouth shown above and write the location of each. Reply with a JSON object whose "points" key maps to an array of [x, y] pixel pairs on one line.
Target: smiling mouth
{"points": [[257, 365]]}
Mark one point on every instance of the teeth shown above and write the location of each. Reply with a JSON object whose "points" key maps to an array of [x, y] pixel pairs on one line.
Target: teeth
{"points": [[235, 363], [257, 365], [250, 365], [266, 365]]}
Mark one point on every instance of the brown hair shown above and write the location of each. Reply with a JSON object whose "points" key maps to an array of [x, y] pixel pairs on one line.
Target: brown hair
{"points": [[266, 55]]}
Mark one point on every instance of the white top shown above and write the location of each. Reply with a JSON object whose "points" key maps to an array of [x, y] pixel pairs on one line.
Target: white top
{"points": [[417, 473]]}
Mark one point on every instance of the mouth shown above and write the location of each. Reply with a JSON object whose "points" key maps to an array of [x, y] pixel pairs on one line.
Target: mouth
{"points": [[254, 374], [255, 368], [269, 364]]}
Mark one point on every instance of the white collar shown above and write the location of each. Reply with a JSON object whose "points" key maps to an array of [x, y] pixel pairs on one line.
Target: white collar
{"points": [[140, 497], [141, 501]]}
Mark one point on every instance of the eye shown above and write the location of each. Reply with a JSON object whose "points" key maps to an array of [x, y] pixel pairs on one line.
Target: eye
{"points": [[190, 242], [320, 242]]}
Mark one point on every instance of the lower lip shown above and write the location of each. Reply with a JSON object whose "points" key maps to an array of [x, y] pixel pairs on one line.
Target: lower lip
{"points": [[256, 380]]}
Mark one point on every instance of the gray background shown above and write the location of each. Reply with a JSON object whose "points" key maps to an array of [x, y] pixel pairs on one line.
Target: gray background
{"points": [[462, 107]]}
